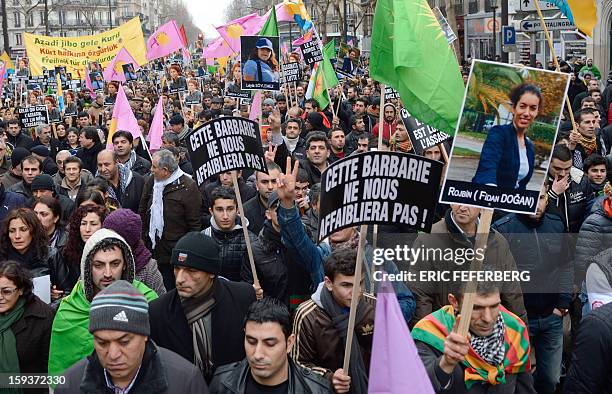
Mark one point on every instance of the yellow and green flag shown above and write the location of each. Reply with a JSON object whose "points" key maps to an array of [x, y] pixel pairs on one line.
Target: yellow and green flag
{"points": [[410, 53], [582, 13]]}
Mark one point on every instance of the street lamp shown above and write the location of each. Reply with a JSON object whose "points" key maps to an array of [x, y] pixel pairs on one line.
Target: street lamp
{"points": [[495, 5]]}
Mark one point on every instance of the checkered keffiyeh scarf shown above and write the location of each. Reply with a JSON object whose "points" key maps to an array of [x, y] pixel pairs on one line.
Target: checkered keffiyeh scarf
{"points": [[491, 348]]}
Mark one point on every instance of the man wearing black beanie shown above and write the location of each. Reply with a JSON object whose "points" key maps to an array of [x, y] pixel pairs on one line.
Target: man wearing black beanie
{"points": [[202, 318], [13, 175]]}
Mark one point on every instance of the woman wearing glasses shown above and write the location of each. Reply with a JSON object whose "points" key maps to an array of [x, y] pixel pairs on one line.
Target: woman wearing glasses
{"points": [[25, 324]]}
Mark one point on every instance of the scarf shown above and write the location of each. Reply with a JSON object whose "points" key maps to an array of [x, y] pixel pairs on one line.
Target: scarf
{"points": [[491, 348], [351, 243], [435, 327], [357, 370], [198, 313], [9, 362], [156, 226], [607, 208], [125, 177], [183, 134], [131, 161], [588, 143], [292, 143]]}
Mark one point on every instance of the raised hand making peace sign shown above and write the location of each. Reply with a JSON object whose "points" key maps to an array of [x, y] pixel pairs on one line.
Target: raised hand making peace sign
{"points": [[286, 185]]}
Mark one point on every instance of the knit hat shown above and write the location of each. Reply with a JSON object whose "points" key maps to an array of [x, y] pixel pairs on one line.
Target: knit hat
{"points": [[176, 119], [120, 307], [18, 155], [198, 251], [129, 225], [40, 150], [269, 101], [43, 182]]}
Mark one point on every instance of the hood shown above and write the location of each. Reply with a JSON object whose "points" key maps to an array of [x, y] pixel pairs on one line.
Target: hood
{"points": [[316, 296], [101, 239], [390, 105]]}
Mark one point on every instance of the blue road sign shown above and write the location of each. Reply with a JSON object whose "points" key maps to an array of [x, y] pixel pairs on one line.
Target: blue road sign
{"points": [[509, 35]]}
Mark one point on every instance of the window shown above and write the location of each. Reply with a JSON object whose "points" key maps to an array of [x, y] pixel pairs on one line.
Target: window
{"points": [[18, 39], [62, 17], [459, 7], [30, 20], [42, 17], [17, 19], [473, 7]]}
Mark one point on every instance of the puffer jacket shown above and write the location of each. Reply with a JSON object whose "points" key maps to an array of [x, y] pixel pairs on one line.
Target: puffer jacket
{"points": [[595, 236], [9, 201], [232, 245]]}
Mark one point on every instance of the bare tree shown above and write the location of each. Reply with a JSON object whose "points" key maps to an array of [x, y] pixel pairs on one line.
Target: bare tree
{"points": [[5, 35], [236, 9], [181, 15], [321, 6]]}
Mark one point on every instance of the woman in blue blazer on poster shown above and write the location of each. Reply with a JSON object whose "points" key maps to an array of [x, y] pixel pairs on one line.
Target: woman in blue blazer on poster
{"points": [[507, 159]]}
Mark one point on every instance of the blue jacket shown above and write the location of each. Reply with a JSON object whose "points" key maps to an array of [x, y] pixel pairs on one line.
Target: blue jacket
{"points": [[500, 161], [312, 256], [10, 201]]}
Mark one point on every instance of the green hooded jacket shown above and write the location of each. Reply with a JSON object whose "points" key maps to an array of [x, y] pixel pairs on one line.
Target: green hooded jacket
{"points": [[71, 340]]}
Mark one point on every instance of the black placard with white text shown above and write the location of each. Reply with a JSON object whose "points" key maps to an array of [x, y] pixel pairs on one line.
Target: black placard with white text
{"points": [[422, 136], [33, 115], [291, 72], [312, 52], [225, 144], [391, 93], [379, 188]]}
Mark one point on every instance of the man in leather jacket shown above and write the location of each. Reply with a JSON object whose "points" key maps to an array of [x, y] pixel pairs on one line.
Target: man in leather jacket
{"points": [[268, 341]]}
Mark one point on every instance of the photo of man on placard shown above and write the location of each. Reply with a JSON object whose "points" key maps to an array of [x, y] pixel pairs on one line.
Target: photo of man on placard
{"points": [[505, 135]]}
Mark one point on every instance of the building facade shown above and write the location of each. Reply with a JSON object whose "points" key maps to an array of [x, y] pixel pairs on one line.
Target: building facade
{"points": [[71, 18]]}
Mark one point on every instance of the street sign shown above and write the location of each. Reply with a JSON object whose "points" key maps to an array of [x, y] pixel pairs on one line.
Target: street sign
{"points": [[509, 35], [528, 5], [509, 48], [532, 25]]}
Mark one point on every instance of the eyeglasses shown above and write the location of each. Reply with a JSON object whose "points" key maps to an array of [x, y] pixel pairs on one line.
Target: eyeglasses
{"points": [[7, 291]]}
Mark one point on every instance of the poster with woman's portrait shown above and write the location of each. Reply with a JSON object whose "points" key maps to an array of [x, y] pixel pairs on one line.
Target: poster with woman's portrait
{"points": [[259, 62], [504, 137], [129, 72], [97, 81], [233, 82]]}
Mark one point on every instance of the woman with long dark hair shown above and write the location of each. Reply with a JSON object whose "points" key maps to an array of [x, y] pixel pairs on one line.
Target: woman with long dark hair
{"points": [[85, 221], [262, 65], [49, 212], [23, 239], [25, 325]]}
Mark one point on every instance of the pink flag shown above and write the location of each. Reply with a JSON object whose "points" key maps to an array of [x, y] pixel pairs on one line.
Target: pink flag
{"points": [[164, 41], [216, 49], [113, 71], [305, 38], [248, 25], [157, 127], [395, 364], [123, 118], [2, 72], [89, 85], [255, 106]]}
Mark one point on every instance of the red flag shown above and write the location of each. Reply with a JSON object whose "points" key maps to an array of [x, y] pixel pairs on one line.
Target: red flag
{"points": [[183, 35]]}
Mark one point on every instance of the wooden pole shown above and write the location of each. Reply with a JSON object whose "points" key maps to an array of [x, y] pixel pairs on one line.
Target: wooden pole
{"points": [[482, 233], [355, 298], [381, 125], [247, 239], [556, 62]]}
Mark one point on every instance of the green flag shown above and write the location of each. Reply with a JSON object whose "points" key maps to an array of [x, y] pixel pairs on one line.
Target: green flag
{"points": [[410, 53], [329, 52], [270, 28]]}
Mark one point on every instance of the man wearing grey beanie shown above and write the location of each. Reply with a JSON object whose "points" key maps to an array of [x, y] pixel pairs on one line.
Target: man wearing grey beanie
{"points": [[125, 360]]}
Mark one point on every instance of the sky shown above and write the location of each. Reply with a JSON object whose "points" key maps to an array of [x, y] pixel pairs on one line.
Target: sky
{"points": [[207, 13]]}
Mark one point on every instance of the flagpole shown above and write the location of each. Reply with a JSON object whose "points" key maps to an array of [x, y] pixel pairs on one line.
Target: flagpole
{"points": [[482, 234], [355, 297], [247, 238], [381, 126], [556, 62]]}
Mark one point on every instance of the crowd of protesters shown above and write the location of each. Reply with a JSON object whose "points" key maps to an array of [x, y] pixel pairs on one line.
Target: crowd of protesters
{"points": [[151, 285]]}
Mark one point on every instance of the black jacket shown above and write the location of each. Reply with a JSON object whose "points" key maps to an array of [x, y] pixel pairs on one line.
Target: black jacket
{"points": [[33, 335], [232, 378], [51, 263], [540, 248], [169, 326], [54, 145], [591, 361], [20, 141], [574, 205], [594, 236], [89, 157], [130, 198], [233, 248], [161, 372], [314, 174], [255, 213], [141, 166]]}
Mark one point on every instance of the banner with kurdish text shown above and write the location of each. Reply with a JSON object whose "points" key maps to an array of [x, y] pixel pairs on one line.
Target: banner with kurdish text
{"points": [[76, 52]]}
